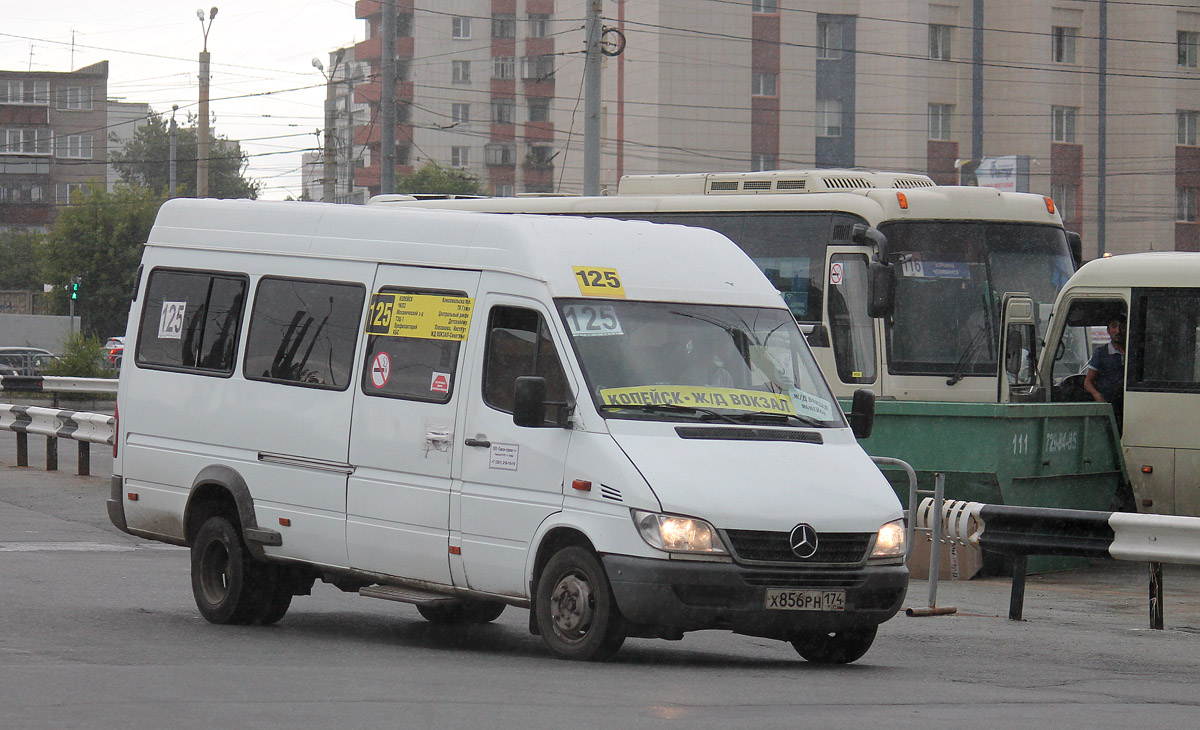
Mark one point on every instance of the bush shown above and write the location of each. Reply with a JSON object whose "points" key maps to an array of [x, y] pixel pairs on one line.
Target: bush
{"points": [[80, 358]]}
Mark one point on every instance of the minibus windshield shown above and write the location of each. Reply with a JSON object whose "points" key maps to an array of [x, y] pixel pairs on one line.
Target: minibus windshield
{"points": [[698, 362]]}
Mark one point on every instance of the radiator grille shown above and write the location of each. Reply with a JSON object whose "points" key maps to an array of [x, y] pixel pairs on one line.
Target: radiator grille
{"points": [[773, 547], [756, 185], [718, 185], [790, 185]]}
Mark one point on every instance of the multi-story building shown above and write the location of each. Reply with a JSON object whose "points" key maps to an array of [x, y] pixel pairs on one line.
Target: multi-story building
{"points": [[124, 120], [52, 141], [343, 77], [495, 87]]}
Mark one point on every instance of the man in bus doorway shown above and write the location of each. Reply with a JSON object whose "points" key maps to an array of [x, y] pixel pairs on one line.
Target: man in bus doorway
{"points": [[1105, 378]]}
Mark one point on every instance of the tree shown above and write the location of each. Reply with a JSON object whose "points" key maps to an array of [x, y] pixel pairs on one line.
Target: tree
{"points": [[99, 238], [18, 261], [145, 161], [433, 179]]}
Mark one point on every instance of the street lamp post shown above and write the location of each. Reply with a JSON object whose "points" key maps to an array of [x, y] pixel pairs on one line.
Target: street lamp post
{"points": [[202, 146], [329, 170]]}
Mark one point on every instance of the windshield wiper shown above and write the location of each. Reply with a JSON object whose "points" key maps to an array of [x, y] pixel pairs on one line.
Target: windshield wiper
{"points": [[771, 417], [670, 408]]}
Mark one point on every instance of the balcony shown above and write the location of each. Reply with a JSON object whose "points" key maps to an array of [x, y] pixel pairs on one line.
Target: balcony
{"points": [[369, 93], [370, 8], [371, 50]]}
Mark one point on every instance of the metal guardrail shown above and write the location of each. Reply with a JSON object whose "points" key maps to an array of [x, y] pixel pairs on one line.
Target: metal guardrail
{"points": [[1025, 531], [56, 384], [55, 423]]}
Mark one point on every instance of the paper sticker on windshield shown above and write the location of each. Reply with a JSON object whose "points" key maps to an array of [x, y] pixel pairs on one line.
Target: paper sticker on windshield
{"points": [[807, 404], [592, 320], [598, 282], [170, 322], [423, 316], [936, 269], [699, 397]]}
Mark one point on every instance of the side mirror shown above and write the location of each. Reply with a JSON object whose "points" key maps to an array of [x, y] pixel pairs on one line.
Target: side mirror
{"points": [[862, 413], [1075, 243], [881, 289], [529, 401]]}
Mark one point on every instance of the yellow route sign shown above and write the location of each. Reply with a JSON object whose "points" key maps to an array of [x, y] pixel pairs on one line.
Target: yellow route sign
{"points": [[423, 316]]}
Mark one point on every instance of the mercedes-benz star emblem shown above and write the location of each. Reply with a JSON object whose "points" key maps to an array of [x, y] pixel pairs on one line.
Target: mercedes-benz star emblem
{"points": [[803, 541]]}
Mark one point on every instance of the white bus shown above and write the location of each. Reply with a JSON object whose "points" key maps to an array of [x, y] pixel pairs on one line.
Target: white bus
{"points": [[941, 258]]}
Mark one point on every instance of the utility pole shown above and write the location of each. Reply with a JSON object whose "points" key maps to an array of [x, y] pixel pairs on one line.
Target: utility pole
{"points": [[977, 82], [202, 146], [329, 169], [348, 74], [1102, 153], [591, 101], [172, 179], [387, 102]]}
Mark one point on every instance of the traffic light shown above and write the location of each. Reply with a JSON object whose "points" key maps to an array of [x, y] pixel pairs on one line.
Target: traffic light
{"points": [[74, 289]]}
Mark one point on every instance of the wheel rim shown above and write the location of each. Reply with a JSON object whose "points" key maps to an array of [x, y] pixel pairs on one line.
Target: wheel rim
{"points": [[572, 607], [214, 572]]}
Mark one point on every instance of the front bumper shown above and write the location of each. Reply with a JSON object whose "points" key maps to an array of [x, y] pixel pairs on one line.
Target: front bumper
{"points": [[668, 597]]}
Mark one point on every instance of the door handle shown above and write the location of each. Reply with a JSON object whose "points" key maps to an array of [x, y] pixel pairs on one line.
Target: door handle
{"points": [[479, 442]]}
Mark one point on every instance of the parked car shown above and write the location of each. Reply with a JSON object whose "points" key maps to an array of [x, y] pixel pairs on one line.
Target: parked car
{"points": [[24, 360], [113, 350]]}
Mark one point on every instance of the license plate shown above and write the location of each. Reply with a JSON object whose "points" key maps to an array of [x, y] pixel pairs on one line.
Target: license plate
{"points": [[785, 600]]}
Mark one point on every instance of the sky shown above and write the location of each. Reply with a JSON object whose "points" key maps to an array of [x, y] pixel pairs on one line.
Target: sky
{"points": [[264, 90]]}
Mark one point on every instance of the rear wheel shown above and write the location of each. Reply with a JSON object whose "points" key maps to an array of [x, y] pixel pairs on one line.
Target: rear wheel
{"points": [[230, 587], [278, 599], [575, 610], [835, 647], [463, 612]]}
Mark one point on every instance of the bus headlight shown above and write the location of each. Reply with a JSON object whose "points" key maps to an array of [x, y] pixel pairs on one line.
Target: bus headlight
{"points": [[675, 533], [889, 543]]}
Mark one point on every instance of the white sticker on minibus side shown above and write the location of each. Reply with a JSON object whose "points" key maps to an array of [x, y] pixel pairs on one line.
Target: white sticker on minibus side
{"points": [[170, 322], [503, 456]]}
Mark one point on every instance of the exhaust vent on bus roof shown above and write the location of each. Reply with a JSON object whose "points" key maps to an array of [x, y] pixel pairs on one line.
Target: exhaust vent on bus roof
{"points": [[912, 182], [720, 186], [847, 183], [790, 184], [756, 185]]}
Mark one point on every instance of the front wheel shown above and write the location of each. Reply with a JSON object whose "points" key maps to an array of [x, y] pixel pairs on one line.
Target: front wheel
{"points": [[230, 587], [574, 607], [835, 647]]}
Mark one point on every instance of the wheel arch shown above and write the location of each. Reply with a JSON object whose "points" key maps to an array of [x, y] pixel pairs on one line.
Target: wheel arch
{"points": [[219, 489]]}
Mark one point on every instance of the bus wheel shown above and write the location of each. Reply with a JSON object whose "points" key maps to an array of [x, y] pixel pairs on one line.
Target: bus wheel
{"points": [[574, 607], [230, 587], [835, 647], [465, 612], [279, 598]]}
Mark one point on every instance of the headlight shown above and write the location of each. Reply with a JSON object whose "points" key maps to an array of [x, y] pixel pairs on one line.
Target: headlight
{"points": [[677, 534], [890, 541]]}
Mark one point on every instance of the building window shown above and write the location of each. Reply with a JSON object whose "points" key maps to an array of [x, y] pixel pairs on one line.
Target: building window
{"points": [[829, 118], [460, 27], [500, 153], [1186, 123], [25, 92], [461, 72], [1186, 42], [75, 98], [460, 156], [1063, 44], [829, 39], [403, 69], [765, 6], [939, 121], [460, 113], [504, 25], [25, 141], [539, 109], [64, 191], [1185, 204], [404, 112], [763, 84], [503, 67], [760, 161], [540, 155], [21, 192], [539, 25], [504, 111], [503, 190], [1064, 198], [404, 25], [403, 155], [537, 68], [1064, 123], [939, 42], [75, 146]]}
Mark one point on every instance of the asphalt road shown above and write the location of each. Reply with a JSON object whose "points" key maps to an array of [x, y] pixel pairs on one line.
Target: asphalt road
{"points": [[98, 630]]}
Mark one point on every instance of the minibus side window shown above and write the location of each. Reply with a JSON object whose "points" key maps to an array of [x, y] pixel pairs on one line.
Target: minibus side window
{"points": [[1164, 341], [191, 321], [519, 343], [412, 368], [303, 332]]}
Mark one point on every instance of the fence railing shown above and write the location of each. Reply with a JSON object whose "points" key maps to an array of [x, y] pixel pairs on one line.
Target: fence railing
{"points": [[55, 423], [56, 384]]}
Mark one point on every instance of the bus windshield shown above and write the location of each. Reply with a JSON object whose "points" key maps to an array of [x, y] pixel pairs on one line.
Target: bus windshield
{"points": [[698, 362], [950, 278]]}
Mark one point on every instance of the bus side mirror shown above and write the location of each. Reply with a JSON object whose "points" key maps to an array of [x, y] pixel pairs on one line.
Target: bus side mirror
{"points": [[881, 289], [862, 413], [529, 401], [1075, 243]]}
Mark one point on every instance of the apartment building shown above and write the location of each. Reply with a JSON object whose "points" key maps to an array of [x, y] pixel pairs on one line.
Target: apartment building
{"points": [[52, 141], [495, 87]]}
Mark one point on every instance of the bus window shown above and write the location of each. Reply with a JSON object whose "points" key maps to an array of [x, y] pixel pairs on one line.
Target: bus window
{"points": [[852, 331], [1164, 338]]}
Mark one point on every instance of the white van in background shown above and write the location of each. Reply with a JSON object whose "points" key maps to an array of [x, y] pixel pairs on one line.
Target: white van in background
{"points": [[617, 425]]}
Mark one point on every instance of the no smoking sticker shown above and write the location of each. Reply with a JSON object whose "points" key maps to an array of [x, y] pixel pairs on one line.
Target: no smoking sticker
{"points": [[381, 367], [835, 273]]}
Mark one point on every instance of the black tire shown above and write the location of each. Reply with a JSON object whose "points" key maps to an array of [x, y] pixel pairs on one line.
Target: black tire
{"points": [[462, 612], [230, 587], [575, 610], [835, 647], [278, 599]]}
